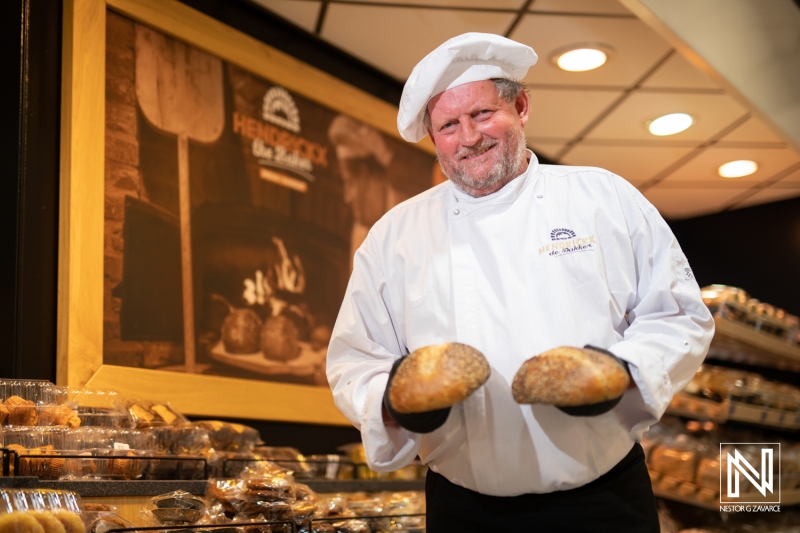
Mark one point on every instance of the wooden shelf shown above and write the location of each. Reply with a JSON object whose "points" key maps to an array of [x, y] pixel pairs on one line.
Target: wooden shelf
{"points": [[701, 409], [788, 497], [154, 488], [734, 341]]}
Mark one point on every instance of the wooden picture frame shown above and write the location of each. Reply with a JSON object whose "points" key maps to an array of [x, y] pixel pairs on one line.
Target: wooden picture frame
{"points": [[81, 229]]}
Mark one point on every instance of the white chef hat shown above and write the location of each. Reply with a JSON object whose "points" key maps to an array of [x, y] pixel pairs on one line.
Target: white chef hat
{"points": [[463, 59]]}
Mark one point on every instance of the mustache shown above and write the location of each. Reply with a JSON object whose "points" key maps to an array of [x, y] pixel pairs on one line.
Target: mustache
{"points": [[473, 150]]}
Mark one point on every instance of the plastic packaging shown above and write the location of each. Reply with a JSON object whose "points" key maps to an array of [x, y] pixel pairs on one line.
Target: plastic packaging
{"points": [[330, 466], [149, 413], [40, 511], [37, 391], [287, 458], [228, 437], [101, 408], [179, 440], [176, 508], [676, 458]]}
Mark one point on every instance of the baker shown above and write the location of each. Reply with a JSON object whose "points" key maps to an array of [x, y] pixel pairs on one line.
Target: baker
{"points": [[512, 260]]}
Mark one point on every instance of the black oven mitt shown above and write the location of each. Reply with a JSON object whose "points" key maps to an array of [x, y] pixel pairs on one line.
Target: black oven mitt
{"points": [[596, 409], [417, 422]]}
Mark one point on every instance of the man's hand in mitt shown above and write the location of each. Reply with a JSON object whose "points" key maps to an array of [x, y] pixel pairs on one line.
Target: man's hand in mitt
{"points": [[425, 384], [585, 381]]}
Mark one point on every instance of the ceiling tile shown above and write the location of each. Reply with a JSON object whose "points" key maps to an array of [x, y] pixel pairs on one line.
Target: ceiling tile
{"points": [[563, 114], [678, 73], [634, 163], [705, 166], [485, 4], [712, 113], [301, 12], [754, 130], [546, 149], [394, 39], [685, 203], [636, 48], [610, 7], [770, 194]]}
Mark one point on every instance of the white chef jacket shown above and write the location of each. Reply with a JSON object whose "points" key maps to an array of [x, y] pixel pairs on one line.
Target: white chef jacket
{"points": [[560, 256]]}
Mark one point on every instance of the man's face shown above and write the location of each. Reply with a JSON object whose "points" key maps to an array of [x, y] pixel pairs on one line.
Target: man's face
{"points": [[479, 136]]}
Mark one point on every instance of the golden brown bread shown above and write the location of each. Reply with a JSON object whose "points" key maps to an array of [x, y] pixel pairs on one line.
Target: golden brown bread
{"points": [[21, 412], [569, 377], [18, 521], [438, 376]]}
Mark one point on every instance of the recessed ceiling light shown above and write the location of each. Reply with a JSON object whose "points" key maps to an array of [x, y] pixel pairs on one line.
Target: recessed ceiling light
{"points": [[581, 59], [737, 169], [670, 124]]}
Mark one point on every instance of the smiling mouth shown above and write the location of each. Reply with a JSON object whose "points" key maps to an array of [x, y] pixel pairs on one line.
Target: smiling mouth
{"points": [[477, 153]]}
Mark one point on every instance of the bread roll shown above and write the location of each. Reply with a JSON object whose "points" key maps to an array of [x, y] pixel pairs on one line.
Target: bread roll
{"points": [[17, 522], [569, 377], [279, 338], [436, 377], [241, 331]]}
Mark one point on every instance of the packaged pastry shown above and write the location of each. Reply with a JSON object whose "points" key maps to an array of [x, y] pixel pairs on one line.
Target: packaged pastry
{"points": [[287, 458], [21, 412], [176, 508], [148, 413], [101, 408], [101, 522], [40, 510], [708, 472], [185, 439], [39, 392], [229, 437], [676, 458]]}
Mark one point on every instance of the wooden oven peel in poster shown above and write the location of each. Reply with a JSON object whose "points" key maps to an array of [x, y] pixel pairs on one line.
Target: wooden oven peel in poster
{"points": [[233, 209]]}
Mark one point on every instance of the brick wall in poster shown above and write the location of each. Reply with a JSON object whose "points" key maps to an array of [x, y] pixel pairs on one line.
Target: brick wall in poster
{"points": [[123, 178]]}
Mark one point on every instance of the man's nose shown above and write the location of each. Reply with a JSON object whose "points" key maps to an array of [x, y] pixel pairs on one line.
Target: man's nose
{"points": [[470, 136]]}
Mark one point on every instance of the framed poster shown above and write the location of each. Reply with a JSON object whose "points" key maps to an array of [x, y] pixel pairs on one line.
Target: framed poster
{"points": [[213, 193]]}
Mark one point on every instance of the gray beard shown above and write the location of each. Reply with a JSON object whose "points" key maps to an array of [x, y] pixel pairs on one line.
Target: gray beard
{"points": [[506, 169]]}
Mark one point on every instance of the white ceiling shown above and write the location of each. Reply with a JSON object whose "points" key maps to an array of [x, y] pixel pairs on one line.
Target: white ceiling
{"points": [[596, 118]]}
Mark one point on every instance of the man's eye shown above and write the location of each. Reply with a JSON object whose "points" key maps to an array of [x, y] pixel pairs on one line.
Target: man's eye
{"points": [[447, 125]]}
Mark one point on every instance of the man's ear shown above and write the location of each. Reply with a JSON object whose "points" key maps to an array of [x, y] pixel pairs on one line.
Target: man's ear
{"points": [[522, 106]]}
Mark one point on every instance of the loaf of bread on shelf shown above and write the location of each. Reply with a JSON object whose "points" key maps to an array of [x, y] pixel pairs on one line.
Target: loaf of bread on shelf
{"points": [[569, 376], [436, 377]]}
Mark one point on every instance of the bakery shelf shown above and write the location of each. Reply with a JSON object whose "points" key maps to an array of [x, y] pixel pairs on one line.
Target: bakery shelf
{"points": [[156, 487], [689, 406], [788, 497], [738, 342]]}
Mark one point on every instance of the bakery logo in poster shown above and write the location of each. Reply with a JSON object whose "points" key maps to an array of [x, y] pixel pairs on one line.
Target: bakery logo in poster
{"points": [[284, 158], [566, 241], [233, 208], [750, 476]]}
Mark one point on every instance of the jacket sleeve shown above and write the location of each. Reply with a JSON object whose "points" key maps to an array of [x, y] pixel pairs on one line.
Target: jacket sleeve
{"points": [[363, 347], [670, 328]]}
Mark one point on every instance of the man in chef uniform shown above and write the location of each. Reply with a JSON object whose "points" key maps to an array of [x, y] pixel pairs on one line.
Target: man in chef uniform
{"points": [[482, 260]]}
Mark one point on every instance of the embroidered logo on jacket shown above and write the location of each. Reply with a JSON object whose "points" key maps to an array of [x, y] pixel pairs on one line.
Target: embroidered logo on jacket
{"points": [[566, 241]]}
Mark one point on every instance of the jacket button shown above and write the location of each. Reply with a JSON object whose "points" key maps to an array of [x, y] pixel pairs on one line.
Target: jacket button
{"points": [[456, 211]]}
